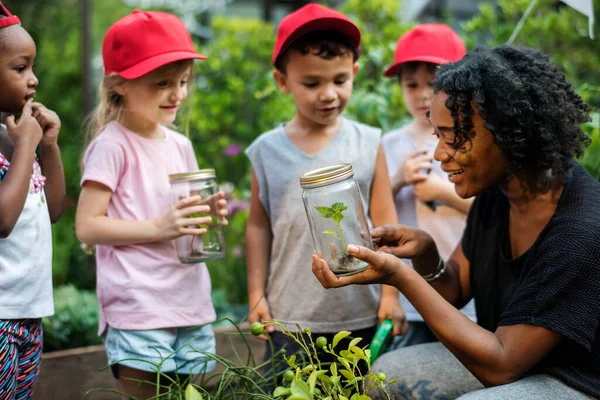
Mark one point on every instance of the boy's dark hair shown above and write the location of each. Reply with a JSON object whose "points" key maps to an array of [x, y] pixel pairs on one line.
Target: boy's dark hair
{"points": [[325, 44], [526, 103], [411, 66]]}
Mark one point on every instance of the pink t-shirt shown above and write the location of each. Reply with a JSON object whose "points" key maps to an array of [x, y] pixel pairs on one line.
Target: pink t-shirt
{"points": [[144, 286]]}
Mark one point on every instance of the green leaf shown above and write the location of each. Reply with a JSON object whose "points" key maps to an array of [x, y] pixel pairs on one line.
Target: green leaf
{"points": [[354, 342], [191, 393], [347, 374], [333, 369], [342, 397], [337, 217], [339, 336], [326, 212], [339, 206], [348, 355], [345, 363], [299, 397], [312, 379], [292, 361], [332, 233], [308, 368], [281, 391], [301, 390], [358, 352], [328, 382]]}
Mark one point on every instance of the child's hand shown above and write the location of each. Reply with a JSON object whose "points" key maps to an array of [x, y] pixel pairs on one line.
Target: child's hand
{"points": [[415, 164], [222, 207], [261, 313], [176, 221], [431, 189], [26, 131], [390, 308], [50, 123]]}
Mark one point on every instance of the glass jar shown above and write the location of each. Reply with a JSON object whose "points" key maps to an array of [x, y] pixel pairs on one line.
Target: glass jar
{"points": [[192, 249], [336, 216]]}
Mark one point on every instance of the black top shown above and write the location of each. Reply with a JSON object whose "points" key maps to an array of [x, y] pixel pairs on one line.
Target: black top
{"points": [[555, 284]]}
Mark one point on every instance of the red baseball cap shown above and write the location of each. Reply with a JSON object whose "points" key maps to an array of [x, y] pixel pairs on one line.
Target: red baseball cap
{"points": [[313, 17], [144, 41], [10, 20], [433, 43]]}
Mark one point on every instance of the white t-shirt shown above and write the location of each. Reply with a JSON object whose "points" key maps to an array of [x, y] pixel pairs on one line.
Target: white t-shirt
{"points": [[444, 224], [26, 256]]}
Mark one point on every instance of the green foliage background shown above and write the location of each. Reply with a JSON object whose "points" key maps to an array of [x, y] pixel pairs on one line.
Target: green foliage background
{"points": [[236, 99]]}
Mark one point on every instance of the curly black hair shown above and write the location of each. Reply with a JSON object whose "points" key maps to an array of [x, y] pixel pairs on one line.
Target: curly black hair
{"points": [[526, 103], [325, 44]]}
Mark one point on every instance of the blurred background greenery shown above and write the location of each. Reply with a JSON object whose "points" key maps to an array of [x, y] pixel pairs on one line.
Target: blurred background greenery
{"points": [[236, 99]]}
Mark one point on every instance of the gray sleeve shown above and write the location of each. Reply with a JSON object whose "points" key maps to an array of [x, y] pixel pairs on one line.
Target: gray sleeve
{"points": [[255, 152]]}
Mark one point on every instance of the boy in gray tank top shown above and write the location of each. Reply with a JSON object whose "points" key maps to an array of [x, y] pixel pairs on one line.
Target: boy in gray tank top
{"points": [[315, 61]]}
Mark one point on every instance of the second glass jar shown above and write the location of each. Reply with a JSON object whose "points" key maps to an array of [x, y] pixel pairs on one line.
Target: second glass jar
{"points": [[192, 249], [336, 216]]}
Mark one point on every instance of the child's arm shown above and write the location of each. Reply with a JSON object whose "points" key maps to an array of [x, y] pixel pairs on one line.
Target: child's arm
{"points": [[93, 226], [50, 160], [383, 212], [435, 188], [25, 136], [258, 249]]}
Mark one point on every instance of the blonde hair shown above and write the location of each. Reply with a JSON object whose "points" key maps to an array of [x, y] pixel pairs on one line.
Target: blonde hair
{"points": [[109, 108]]}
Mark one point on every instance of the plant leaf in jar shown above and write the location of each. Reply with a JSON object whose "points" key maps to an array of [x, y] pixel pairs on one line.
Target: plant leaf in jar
{"points": [[213, 219], [335, 213]]}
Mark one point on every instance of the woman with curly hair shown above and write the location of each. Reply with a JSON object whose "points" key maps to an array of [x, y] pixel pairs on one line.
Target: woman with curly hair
{"points": [[508, 128]]}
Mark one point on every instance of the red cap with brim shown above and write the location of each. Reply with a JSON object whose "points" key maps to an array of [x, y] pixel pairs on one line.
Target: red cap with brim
{"points": [[312, 18], [10, 19], [433, 43], [141, 42], [149, 65]]}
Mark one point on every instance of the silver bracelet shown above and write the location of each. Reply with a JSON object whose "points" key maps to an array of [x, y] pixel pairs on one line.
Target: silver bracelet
{"points": [[441, 268]]}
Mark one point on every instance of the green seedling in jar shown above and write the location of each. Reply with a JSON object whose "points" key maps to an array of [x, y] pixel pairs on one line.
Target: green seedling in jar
{"points": [[335, 212], [213, 221]]}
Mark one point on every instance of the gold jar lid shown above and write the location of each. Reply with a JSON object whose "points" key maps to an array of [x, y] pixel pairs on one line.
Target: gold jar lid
{"points": [[194, 175], [326, 176]]}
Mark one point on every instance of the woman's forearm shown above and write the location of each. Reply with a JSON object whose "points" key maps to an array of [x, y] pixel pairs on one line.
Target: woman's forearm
{"points": [[478, 349]]}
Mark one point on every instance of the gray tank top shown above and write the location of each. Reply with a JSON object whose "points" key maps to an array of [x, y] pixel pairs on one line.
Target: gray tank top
{"points": [[294, 295]]}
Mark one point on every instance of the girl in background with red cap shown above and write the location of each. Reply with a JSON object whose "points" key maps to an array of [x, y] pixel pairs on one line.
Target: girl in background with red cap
{"points": [[150, 303], [423, 195], [29, 203]]}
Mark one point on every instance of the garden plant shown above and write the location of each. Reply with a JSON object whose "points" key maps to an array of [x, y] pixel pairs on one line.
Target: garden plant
{"points": [[304, 376]]}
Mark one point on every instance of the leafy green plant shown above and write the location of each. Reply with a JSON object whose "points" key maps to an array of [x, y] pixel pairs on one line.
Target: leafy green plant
{"points": [[335, 213], [75, 320], [340, 380], [304, 378]]}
